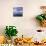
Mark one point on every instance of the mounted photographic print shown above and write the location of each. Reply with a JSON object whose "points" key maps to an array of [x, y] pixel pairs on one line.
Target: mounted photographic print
{"points": [[18, 11]]}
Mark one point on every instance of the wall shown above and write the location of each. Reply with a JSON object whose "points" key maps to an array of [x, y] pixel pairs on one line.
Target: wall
{"points": [[27, 24]]}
